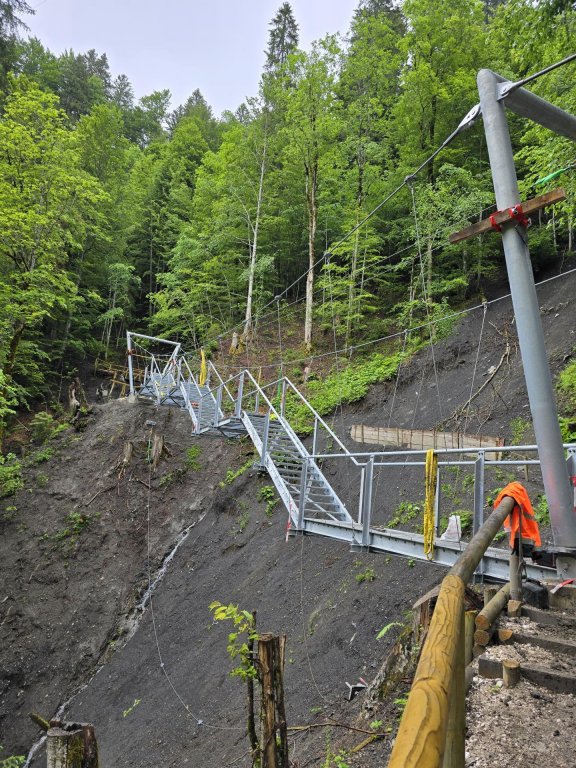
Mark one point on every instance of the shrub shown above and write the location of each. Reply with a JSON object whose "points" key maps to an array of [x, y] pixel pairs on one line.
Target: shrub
{"points": [[10, 475]]}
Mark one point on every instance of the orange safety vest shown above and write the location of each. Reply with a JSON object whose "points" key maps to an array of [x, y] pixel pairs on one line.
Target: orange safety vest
{"points": [[526, 526]]}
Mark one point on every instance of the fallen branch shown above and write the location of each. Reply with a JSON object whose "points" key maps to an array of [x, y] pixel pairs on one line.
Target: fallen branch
{"points": [[332, 723], [459, 411], [104, 490]]}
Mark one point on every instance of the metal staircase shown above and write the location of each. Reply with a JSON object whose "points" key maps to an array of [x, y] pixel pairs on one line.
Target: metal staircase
{"points": [[239, 406]]}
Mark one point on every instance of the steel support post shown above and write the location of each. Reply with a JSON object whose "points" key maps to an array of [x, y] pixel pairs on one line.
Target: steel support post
{"points": [[283, 399], [437, 503], [530, 333], [130, 368], [265, 436], [478, 492], [302, 499], [218, 406], [315, 436], [238, 408], [478, 519], [367, 504]]}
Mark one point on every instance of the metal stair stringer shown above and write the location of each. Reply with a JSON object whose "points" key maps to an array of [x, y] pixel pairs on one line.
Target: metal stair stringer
{"points": [[305, 491]]}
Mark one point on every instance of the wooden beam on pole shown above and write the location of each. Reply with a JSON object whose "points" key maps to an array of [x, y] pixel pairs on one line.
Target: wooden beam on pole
{"points": [[502, 217]]}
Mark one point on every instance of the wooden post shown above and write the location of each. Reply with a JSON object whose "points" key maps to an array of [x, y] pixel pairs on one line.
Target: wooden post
{"points": [[489, 593], [454, 754], [274, 738], [515, 578], [469, 619], [71, 745], [510, 673]]}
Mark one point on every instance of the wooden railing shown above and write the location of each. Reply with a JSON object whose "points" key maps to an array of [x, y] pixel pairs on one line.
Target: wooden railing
{"points": [[431, 733]]}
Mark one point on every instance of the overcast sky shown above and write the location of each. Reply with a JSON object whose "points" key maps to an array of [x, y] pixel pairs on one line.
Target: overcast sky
{"points": [[214, 45]]}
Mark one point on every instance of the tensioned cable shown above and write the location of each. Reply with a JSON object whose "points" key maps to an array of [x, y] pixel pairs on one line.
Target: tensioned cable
{"points": [[536, 75], [420, 327], [466, 122], [425, 294]]}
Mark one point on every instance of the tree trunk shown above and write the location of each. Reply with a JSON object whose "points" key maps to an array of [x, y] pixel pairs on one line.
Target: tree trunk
{"points": [[311, 186], [274, 739], [71, 745], [248, 326]]}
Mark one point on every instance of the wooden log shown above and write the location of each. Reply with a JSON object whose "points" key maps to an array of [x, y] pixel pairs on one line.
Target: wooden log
{"points": [[490, 612], [549, 618], [514, 609], [483, 636], [469, 559], [469, 619], [505, 636], [489, 668], [510, 673], [454, 754], [478, 650], [422, 735]]}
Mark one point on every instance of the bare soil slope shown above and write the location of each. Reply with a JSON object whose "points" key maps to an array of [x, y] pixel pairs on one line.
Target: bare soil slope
{"points": [[74, 564]]}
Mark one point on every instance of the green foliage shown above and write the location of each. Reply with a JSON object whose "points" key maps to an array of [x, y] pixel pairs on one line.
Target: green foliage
{"points": [[244, 633], [367, 575], [10, 475], [346, 386], [541, 511], [192, 455], [41, 455], [131, 708], [404, 513], [566, 387], [76, 523], [268, 494], [14, 761], [519, 427], [242, 521], [233, 474], [42, 427], [384, 631]]}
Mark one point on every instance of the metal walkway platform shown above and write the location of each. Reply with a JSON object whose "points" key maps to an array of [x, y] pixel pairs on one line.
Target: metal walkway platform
{"points": [[239, 405]]}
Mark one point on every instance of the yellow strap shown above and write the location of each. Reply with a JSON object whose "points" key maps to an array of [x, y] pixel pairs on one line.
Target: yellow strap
{"points": [[431, 477], [203, 368]]}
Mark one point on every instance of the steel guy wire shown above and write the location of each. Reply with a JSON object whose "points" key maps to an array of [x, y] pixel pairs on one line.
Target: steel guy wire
{"points": [[412, 329]]}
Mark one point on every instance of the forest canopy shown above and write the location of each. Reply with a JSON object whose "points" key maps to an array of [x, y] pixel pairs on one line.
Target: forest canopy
{"points": [[121, 213]]}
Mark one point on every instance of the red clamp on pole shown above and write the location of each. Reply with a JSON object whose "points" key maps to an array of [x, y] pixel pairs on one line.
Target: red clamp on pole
{"points": [[518, 215], [494, 223]]}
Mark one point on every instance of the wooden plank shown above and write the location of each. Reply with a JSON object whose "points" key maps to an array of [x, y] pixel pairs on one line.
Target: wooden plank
{"points": [[502, 217], [548, 618], [559, 682], [545, 641], [422, 439]]}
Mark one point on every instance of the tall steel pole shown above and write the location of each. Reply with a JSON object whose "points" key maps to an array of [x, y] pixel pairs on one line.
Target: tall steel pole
{"points": [[529, 326]]}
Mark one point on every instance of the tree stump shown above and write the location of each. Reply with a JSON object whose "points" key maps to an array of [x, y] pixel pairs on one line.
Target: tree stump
{"points": [[510, 673], [274, 738], [71, 745]]}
